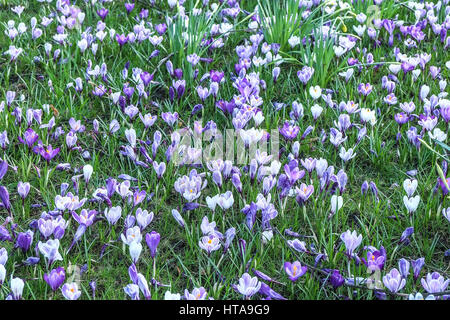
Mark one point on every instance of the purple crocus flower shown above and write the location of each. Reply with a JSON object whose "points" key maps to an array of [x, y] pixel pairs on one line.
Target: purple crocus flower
{"points": [[129, 7], [336, 279], [289, 131], [3, 168], [24, 240], [121, 39], [351, 240], [29, 137], [138, 197], [152, 240], [294, 270], [48, 153], [375, 258], [417, 266], [55, 278], [4, 197], [170, 118], [102, 13], [404, 265]]}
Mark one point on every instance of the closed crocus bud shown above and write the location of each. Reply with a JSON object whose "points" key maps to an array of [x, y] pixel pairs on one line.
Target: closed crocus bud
{"points": [[4, 197], [2, 274], [236, 180], [135, 251], [177, 216], [275, 73], [403, 266], [417, 266], [17, 285], [24, 240], [87, 172], [364, 187], [217, 178], [95, 125], [152, 240], [23, 188]]}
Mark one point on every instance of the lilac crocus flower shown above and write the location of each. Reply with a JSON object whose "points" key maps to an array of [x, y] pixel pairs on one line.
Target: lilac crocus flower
{"points": [[351, 240], [70, 291], [248, 286], [434, 283], [29, 138], [170, 118], [50, 250], [85, 217], [196, 294], [305, 74], [113, 214], [55, 278], [210, 243], [288, 131], [394, 281], [138, 197], [404, 265], [152, 240], [294, 270]]}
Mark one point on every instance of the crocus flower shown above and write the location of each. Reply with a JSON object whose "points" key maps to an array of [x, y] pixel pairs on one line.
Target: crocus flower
{"points": [[23, 189], [132, 290], [4, 197], [17, 285], [394, 281], [375, 258], [419, 296], [152, 240], [102, 13], [55, 278], [410, 186], [417, 267], [172, 296], [403, 266], [351, 240], [3, 256], [48, 153], [113, 214], [294, 270], [2, 274], [196, 294], [288, 131], [434, 283], [135, 250], [24, 240], [50, 250], [70, 291], [248, 286], [412, 203], [87, 172], [210, 243]]}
